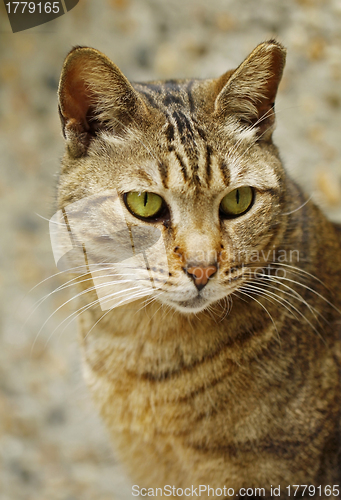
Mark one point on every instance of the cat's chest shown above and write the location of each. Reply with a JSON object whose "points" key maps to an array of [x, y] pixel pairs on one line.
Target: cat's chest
{"points": [[160, 387], [227, 402]]}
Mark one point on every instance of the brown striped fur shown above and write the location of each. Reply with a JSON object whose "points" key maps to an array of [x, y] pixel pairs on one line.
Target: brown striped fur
{"points": [[192, 392]]}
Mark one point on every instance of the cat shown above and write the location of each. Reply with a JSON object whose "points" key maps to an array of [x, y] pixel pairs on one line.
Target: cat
{"points": [[218, 364]]}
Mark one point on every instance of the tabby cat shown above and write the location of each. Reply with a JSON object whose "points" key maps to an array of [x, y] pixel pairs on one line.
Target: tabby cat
{"points": [[220, 367]]}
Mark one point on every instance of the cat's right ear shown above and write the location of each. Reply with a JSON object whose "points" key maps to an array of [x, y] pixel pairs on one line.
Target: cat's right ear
{"points": [[93, 96]]}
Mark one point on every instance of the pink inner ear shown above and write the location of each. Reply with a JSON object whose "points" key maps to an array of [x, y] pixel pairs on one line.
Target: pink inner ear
{"points": [[75, 97], [273, 81], [270, 91]]}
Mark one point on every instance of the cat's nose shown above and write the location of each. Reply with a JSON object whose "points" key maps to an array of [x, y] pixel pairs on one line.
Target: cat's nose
{"points": [[200, 275]]}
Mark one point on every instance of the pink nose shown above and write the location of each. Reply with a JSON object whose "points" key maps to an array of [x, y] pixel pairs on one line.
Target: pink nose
{"points": [[201, 275]]}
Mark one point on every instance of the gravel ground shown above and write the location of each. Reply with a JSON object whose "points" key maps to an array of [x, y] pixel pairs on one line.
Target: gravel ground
{"points": [[52, 445]]}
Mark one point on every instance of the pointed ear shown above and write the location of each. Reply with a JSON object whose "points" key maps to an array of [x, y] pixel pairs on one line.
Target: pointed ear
{"points": [[94, 95], [249, 92]]}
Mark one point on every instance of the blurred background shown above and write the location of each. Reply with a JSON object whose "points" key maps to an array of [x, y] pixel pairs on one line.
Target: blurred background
{"points": [[52, 444]]}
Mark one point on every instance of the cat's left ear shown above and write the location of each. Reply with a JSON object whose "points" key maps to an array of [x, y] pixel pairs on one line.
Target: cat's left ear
{"points": [[249, 92]]}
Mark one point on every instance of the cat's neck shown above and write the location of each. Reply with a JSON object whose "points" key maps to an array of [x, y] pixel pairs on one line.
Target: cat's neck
{"points": [[152, 341]]}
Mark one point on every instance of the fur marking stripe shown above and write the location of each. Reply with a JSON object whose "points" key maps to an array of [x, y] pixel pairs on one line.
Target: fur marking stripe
{"points": [[225, 172], [150, 99], [184, 126], [172, 99], [183, 166], [170, 133], [208, 164], [190, 97], [163, 169]]}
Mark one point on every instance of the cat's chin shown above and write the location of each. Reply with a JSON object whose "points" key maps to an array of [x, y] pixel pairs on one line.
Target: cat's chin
{"points": [[191, 306]]}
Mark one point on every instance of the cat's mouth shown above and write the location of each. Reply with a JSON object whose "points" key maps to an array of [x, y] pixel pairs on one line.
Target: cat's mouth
{"points": [[187, 300]]}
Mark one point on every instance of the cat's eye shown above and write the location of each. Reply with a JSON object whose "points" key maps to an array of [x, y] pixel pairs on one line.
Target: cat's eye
{"points": [[144, 204], [237, 201]]}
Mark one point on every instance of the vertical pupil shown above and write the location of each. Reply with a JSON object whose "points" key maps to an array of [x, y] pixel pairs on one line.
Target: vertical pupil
{"points": [[145, 201], [237, 196]]}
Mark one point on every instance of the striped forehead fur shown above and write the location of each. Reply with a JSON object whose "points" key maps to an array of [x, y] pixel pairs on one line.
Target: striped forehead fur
{"points": [[186, 162]]}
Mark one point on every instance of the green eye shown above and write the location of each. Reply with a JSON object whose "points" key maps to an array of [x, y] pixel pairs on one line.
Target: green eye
{"points": [[237, 202], [146, 205]]}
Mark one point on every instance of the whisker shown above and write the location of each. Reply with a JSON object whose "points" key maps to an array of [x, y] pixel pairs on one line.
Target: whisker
{"points": [[299, 270], [60, 307], [297, 310], [262, 305], [72, 282], [270, 295], [294, 295], [299, 208], [99, 320], [49, 220], [249, 129], [86, 307], [311, 290]]}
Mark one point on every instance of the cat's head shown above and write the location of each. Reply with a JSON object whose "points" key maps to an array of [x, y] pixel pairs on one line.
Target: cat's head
{"points": [[191, 161]]}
